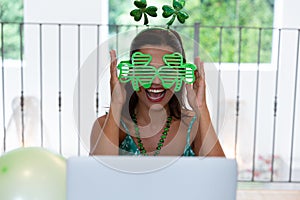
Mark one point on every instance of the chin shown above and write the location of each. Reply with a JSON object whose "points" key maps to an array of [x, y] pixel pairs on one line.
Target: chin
{"points": [[157, 107]]}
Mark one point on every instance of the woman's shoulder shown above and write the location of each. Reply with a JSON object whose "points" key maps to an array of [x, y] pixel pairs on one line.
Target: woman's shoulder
{"points": [[100, 120], [99, 123]]}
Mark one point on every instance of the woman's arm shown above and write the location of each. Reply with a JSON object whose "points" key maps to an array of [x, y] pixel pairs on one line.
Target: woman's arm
{"points": [[104, 139], [206, 142], [105, 134]]}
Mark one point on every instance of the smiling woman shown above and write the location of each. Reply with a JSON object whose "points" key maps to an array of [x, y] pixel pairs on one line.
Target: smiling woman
{"points": [[149, 116]]}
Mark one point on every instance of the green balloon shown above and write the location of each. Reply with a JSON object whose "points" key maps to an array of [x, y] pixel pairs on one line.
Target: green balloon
{"points": [[32, 173]]}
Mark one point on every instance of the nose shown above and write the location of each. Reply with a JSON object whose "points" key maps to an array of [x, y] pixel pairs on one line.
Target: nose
{"points": [[156, 80], [157, 65]]}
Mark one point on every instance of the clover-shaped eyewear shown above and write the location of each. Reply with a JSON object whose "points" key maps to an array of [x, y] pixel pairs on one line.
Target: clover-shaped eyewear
{"points": [[140, 73]]}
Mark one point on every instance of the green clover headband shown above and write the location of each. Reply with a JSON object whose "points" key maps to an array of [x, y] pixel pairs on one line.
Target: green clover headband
{"points": [[139, 72], [175, 11]]}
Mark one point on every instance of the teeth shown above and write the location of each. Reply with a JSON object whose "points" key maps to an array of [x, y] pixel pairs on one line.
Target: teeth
{"points": [[155, 90]]}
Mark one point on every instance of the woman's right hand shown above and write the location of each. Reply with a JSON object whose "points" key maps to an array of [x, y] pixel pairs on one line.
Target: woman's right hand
{"points": [[118, 92]]}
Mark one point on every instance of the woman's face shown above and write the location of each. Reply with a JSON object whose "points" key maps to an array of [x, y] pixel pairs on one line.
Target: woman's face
{"points": [[156, 94]]}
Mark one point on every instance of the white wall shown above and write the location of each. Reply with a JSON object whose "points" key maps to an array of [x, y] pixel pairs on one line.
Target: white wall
{"points": [[50, 13]]}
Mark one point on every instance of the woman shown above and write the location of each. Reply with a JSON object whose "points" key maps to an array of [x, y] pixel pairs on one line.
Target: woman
{"points": [[154, 120]]}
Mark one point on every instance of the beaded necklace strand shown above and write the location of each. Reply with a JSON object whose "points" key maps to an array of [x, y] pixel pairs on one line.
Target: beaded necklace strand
{"points": [[160, 142]]}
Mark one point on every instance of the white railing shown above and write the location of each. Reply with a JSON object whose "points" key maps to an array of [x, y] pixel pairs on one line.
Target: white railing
{"points": [[52, 94]]}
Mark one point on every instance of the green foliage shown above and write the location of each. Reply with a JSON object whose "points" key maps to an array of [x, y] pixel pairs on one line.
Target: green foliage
{"points": [[11, 11], [231, 15], [213, 14]]}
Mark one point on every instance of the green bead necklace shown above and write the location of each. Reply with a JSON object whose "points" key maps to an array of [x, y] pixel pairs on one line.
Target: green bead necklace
{"points": [[160, 142]]}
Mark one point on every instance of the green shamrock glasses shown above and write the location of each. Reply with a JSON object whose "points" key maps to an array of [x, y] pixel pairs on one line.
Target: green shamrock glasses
{"points": [[140, 73]]}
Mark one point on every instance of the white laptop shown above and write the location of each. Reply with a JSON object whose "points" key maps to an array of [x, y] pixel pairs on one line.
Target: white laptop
{"points": [[150, 178]]}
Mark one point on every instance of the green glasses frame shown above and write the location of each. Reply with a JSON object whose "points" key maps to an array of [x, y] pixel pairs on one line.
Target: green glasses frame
{"points": [[140, 73]]}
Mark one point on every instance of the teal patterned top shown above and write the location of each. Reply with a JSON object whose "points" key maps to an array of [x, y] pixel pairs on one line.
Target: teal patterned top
{"points": [[128, 146]]}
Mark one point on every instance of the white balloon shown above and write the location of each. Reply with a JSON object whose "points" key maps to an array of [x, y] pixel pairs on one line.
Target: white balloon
{"points": [[32, 173]]}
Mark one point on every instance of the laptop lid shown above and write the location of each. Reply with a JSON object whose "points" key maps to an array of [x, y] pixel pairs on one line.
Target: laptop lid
{"points": [[148, 178]]}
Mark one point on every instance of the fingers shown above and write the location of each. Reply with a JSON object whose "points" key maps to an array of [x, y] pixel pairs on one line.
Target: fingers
{"points": [[199, 74], [189, 89], [191, 95], [196, 90], [200, 67], [113, 65], [113, 70]]}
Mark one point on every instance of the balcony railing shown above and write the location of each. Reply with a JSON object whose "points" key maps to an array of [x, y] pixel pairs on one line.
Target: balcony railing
{"points": [[58, 83]]}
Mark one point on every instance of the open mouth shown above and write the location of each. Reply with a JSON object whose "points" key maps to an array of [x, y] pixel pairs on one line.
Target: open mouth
{"points": [[155, 94]]}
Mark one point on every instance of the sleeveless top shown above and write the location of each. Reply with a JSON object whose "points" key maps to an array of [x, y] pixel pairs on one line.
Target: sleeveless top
{"points": [[128, 146]]}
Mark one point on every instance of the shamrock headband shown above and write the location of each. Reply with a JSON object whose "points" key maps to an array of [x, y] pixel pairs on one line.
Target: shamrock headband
{"points": [[139, 72], [176, 11]]}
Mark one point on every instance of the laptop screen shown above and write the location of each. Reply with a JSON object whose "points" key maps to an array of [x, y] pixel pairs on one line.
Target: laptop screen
{"points": [[148, 178]]}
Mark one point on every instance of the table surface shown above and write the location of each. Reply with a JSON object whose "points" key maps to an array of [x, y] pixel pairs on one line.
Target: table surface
{"points": [[243, 194]]}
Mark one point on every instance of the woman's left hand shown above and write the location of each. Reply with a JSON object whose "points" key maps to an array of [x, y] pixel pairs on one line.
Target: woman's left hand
{"points": [[196, 91]]}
